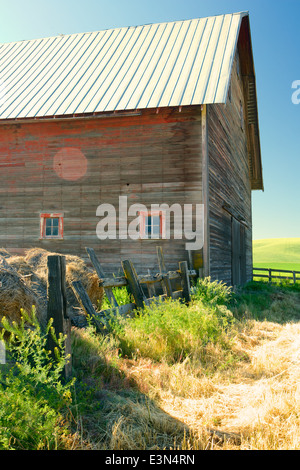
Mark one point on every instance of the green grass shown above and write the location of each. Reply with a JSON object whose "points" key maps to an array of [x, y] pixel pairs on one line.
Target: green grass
{"points": [[276, 302], [285, 266], [122, 296], [172, 331], [278, 253]]}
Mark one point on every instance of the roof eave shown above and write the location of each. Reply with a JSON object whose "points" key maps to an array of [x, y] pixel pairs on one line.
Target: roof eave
{"points": [[250, 93]]}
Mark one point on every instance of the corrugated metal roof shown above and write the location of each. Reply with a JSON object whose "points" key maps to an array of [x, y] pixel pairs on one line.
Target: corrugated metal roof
{"points": [[158, 65]]}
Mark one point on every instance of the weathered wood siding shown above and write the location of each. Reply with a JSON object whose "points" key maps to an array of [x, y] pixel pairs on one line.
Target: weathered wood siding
{"points": [[229, 180], [154, 157]]}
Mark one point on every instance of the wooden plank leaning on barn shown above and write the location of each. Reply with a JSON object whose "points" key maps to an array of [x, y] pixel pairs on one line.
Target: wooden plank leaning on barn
{"points": [[84, 300], [133, 283], [162, 269], [92, 255]]}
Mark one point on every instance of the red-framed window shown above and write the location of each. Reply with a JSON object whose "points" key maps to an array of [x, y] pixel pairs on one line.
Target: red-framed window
{"points": [[152, 224], [52, 225]]}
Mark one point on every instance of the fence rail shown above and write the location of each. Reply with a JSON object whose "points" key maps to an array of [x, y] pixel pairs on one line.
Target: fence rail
{"points": [[139, 283], [273, 273]]}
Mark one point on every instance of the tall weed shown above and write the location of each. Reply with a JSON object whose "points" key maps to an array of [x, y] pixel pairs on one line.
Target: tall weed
{"points": [[172, 331]]}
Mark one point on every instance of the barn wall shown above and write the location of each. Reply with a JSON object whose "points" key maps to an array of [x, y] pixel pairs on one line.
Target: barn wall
{"points": [[154, 157], [228, 180]]}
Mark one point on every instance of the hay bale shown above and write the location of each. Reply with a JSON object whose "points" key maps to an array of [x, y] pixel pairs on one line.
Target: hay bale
{"points": [[33, 281], [24, 283], [76, 270], [79, 272], [4, 253], [15, 295], [20, 265], [4, 264]]}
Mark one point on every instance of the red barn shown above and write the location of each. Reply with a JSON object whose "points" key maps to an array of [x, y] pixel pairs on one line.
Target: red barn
{"points": [[156, 114]]}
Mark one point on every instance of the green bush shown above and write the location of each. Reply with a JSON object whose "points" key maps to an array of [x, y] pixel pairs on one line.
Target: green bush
{"points": [[33, 397]]}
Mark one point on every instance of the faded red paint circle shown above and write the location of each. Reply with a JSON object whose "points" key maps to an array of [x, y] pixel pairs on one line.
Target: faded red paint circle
{"points": [[70, 164]]}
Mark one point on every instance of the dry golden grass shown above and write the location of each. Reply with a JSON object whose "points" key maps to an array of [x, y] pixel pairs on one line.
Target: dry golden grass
{"points": [[257, 400], [241, 394]]}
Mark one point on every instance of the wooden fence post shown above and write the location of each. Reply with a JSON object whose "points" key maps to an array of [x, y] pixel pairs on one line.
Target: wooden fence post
{"points": [[270, 275], [57, 307], [133, 283], [186, 288]]}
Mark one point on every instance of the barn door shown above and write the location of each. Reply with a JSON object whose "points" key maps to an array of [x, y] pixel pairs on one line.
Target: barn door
{"points": [[243, 254], [238, 253]]}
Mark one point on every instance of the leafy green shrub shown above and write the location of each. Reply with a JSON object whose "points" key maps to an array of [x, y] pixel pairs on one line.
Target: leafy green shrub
{"points": [[33, 398], [214, 292]]}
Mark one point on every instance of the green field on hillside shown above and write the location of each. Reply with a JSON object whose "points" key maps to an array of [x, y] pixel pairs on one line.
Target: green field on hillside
{"points": [[285, 266], [277, 253]]}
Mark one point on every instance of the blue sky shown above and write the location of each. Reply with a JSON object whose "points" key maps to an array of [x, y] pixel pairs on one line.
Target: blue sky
{"points": [[275, 28]]}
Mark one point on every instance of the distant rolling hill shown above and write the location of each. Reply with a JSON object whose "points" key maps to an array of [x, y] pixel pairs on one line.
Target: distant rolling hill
{"points": [[281, 253]]}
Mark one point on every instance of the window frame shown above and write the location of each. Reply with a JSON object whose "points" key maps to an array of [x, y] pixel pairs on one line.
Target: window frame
{"points": [[43, 220], [162, 225]]}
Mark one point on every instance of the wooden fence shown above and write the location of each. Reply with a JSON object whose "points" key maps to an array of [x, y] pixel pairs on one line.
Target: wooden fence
{"points": [[144, 289], [271, 274]]}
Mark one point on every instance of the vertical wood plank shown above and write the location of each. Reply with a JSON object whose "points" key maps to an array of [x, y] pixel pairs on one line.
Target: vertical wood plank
{"points": [[162, 269], [151, 288], [56, 307], [186, 288], [66, 320], [133, 283]]}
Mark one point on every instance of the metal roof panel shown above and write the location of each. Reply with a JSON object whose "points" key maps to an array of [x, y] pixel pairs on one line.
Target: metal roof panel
{"points": [[158, 65]]}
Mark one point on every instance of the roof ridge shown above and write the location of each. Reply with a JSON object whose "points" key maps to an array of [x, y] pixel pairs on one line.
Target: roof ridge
{"points": [[241, 13]]}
